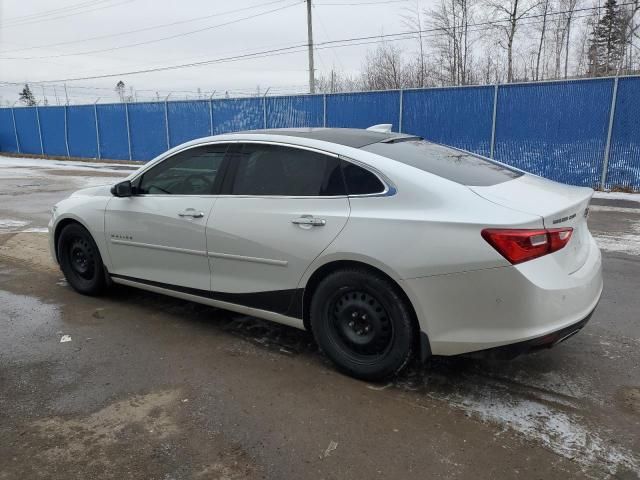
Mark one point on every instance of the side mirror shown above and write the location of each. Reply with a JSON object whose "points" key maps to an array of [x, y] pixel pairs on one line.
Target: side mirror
{"points": [[122, 189]]}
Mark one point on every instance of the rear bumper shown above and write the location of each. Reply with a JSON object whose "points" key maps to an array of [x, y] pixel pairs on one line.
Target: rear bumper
{"points": [[546, 341], [495, 307]]}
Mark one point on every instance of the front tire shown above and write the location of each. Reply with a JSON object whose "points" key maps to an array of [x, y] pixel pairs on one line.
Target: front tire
{"points": [[362, 323], [80, 260]]}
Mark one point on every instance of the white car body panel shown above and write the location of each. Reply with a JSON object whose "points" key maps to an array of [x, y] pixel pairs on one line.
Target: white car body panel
{"points": [[147, 238], [254, 246], [424, 233]]}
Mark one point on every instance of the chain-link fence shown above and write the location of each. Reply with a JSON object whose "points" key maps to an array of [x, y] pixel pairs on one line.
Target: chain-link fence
{"points": [[582, 132]]}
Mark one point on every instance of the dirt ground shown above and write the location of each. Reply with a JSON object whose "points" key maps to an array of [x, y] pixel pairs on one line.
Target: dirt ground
{"points": [[151, 387]]}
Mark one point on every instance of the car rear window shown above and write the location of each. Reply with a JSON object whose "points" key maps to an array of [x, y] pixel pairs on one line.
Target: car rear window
{"points": [[455, 165]]}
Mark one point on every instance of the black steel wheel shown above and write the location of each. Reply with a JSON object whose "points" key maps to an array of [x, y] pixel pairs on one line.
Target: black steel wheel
{"points": [[80, 260], [362, 323]]}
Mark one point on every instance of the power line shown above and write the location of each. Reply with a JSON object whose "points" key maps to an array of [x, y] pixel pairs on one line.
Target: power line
{"points": [[145, 29], [147, 42], [54, 17], [322, 45], [361, 3], [52, 11]]}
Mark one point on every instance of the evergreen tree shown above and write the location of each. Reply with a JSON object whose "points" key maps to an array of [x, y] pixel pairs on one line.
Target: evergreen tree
{"points": [[120, 90], [607, 41], [26, 96]]}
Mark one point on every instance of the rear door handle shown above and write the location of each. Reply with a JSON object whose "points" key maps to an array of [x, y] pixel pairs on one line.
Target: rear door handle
{"points": [[190, 212], [309, 220]]}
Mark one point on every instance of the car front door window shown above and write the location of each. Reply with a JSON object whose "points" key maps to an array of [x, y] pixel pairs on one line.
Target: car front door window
{"points": [[191, 172]]}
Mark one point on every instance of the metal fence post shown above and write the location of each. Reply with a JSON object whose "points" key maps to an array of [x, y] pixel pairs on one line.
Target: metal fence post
{"points": [[39, 130], [607, 148], [126, 112], [264, 108], [493, 121], [95, 115], [324, 110], [211, 113], [66, 131], [15, 130], [264, 112], [166, 120], [401, 108]]}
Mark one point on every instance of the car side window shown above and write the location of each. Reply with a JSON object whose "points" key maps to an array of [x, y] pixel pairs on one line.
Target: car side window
{"points": [[361, 181], [190, 172], [273, 170]]}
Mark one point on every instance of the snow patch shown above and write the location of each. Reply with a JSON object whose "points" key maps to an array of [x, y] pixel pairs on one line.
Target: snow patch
{"points": [[634, 197], [9, 225], [628, 243], [21, 162], [565, 433]]}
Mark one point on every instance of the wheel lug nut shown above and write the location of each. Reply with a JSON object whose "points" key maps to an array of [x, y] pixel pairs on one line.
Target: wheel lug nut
{"points": [[366, 329], [354, 314], [351, 323], [364, 317]]}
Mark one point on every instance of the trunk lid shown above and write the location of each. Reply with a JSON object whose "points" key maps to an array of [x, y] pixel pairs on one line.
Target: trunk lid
{"points": [[559, 206]]}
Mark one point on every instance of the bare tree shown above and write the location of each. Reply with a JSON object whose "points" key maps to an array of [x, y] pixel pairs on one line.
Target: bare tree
{"points": [[384, 69], [544, 9], [511, 11], [412, 18], [337, 81], [630, 30], [451, 20], [569, 7]]}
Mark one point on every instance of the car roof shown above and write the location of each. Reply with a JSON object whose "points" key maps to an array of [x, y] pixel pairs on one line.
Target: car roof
{"points": [[350, 137]]}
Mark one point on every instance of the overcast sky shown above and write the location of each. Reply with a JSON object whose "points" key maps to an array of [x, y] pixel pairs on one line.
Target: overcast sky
{"points": [[42, 23]]}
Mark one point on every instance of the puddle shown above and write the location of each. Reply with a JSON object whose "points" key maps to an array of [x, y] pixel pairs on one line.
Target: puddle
{"points": [[27, 326]]}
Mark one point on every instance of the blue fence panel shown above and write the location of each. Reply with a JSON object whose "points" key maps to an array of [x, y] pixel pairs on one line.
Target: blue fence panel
{"points": [[148, 130], [556, 130], [188, 120], [624, 158], [7, 133], [27, 126], [234, 114], [112, 124], [362, 110], [81, 130], [295, 111], [52, 127], [460, 117]]}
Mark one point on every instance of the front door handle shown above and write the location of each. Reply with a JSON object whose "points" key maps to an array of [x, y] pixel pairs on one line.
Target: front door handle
{"points": [[309, 220], [190, 212]]}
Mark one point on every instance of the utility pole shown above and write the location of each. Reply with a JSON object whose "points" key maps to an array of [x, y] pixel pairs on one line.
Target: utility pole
{"points": [[312, 80], [66, 95]]}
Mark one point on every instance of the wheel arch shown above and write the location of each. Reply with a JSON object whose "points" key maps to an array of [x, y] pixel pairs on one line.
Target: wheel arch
{"points": [[422, 341], [63, 222]]}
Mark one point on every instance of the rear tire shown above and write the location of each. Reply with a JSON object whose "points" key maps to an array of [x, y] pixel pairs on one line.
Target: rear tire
{"points": [[80, 260], [362, 323]]}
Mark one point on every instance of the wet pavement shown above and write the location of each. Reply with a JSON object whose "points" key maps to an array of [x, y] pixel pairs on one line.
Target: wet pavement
{"points": [[154, 387]]}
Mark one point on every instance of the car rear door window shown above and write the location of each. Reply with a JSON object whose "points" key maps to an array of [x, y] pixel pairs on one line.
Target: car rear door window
{"points": [[455, 165], [274, 170], [361, 181], [190, 172]]}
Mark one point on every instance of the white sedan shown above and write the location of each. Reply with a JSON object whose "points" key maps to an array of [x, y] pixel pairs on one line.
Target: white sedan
{"points": [[384, 245]]}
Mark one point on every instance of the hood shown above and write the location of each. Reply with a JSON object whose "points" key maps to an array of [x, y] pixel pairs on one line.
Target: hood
{"points": [[99, 191]]}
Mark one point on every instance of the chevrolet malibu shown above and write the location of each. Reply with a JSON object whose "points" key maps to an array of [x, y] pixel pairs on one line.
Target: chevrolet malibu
{"points": [[385, 246]]}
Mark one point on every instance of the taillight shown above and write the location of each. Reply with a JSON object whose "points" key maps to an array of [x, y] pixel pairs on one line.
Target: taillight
{"points": [[518, 245]]}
